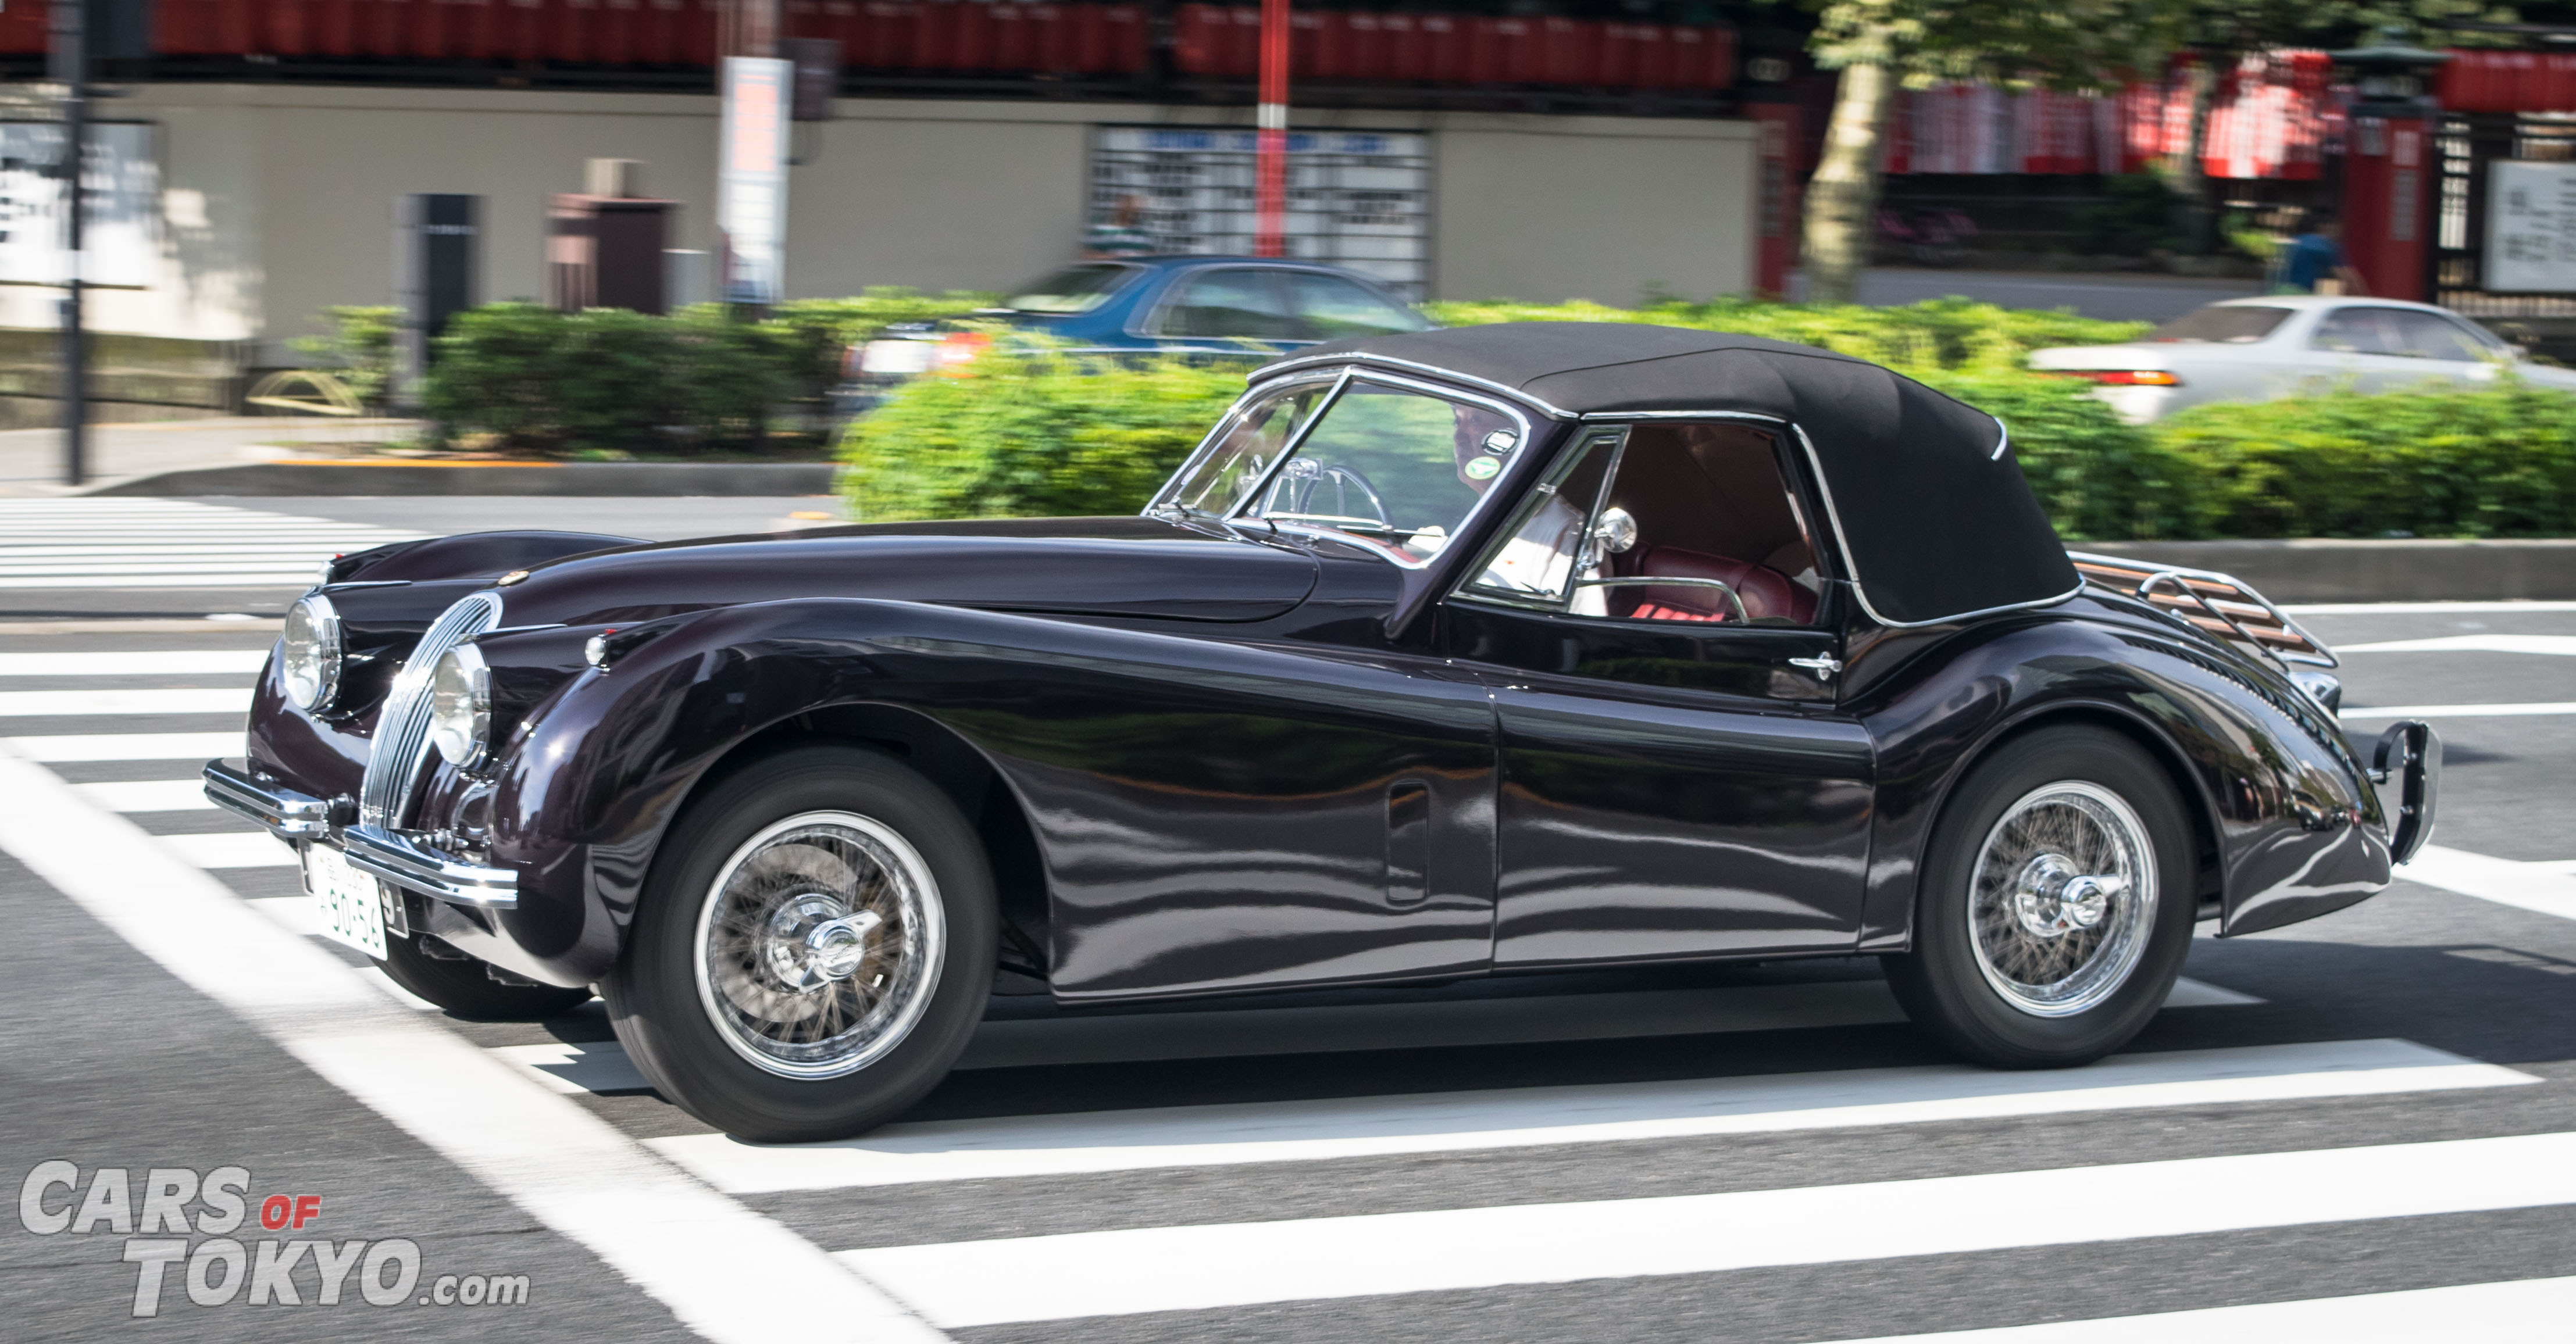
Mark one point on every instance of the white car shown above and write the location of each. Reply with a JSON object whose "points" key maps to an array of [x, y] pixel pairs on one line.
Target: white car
{"points": [[2260, 349]]}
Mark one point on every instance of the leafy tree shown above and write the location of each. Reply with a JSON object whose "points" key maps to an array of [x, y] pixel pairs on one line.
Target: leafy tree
{"points": [[1881, 44]]}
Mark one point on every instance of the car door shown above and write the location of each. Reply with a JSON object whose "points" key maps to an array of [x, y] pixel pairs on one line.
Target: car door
{"points": [[2369, 347], [1677, 778], [1332, 307]]}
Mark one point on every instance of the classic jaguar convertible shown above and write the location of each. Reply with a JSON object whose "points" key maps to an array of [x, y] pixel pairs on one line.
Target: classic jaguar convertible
{"points": [[1452, 653]]}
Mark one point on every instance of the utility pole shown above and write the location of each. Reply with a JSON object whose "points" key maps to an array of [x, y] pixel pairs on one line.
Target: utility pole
{"points": [[71, 70], [1270, 147]]}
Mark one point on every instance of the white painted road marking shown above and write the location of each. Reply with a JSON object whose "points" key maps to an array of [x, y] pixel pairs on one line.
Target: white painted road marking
{"points": [[2545, 888], [148, 795], [973, 1283], [231, 849], [2532, 1309], [67, 747], [156, 662], [2508, 711], [185, 700], [714, 1263], [2562, 645], [1312, 1131], [2418, 608], [94, 543]]}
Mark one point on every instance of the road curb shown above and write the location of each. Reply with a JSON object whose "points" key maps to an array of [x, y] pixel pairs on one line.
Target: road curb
{"points": [[2323, 570], [487, 478]]}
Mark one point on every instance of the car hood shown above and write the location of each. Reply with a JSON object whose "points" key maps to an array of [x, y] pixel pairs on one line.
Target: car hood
{"points": [[1138, 567]]}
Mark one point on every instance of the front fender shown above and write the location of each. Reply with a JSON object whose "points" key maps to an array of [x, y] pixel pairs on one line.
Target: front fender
{"points": [[598, 771], [2297, 827]]}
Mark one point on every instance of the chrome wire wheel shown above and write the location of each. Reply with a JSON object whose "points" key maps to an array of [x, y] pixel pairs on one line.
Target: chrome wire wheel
{"points": [[819, 945], [2062, 903]]}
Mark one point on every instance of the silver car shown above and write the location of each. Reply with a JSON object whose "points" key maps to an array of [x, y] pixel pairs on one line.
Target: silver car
{"points": [[2260, 349]]}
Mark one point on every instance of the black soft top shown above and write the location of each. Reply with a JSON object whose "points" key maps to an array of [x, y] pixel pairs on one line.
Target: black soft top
{"points": [[1936, 520]]}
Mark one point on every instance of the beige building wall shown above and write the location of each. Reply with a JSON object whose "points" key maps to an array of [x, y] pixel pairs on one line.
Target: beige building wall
{"points": [[278, 200]]}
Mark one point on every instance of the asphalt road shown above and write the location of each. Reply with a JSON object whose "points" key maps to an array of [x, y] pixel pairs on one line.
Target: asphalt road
{"points": [[2368, 1106]]}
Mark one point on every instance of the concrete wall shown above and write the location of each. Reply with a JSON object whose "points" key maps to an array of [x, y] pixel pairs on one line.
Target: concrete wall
{"points": [[278, 199]]}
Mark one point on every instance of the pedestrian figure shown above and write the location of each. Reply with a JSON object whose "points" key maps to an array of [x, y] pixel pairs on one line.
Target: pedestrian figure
{"points": [[2317, 255], [1122, 234]]}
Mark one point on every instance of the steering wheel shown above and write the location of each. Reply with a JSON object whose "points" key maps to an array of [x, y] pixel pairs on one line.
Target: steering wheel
{"points": [[1303, 485]]}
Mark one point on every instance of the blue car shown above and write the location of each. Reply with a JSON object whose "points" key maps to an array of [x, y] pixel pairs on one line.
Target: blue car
{"points": [[1248, 308]]}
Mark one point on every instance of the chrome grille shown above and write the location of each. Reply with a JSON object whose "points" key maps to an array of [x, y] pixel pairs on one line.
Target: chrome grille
{"points": [[402, 730]]}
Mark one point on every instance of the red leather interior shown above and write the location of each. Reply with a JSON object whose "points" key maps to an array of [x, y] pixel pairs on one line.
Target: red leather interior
{"points": [[1767, 593]]}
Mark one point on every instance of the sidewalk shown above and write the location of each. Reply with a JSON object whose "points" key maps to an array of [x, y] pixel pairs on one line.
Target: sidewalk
{"points": [[31, 460]]}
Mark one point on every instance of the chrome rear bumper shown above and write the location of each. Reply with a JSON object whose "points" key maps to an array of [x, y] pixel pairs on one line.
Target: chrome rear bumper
{"points": [[2409, 755], [395, 857]]}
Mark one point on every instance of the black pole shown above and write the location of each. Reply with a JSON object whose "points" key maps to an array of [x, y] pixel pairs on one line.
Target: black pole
{"points": [[71, 69]]}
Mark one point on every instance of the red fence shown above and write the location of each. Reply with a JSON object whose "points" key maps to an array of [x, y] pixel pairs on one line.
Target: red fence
{"points": [[2272, 117], [964, 36]]}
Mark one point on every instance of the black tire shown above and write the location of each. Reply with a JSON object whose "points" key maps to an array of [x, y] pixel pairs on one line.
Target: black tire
{"points": [[467, 989], [2053, 782], [697, 1041]]}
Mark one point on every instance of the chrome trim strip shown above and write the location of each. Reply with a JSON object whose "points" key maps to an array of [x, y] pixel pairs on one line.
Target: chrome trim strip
{"points": [[285, 812], [1267, 371], [1851, 570], [1296, 440], [405, 862], [1760, 416], [2003, 438], [401, 746], [1233, 415]]}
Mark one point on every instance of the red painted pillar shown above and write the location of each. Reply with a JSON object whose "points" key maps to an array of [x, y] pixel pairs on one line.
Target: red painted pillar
{"points": [[2387, 202], [1270, 156], [1777, 176]]}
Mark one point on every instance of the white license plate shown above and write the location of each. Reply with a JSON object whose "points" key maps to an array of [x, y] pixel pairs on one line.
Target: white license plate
{"points": [[352, 903]]}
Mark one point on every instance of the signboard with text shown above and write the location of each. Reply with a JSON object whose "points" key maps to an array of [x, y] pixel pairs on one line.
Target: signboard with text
{"points": [[751, 180], [121, 185], [2531, 228]]}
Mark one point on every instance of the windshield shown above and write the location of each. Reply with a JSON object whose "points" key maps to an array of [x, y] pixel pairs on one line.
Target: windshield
{"points": [[1394, 470], [2231, 324], [1075, 289], [1218, 480]]}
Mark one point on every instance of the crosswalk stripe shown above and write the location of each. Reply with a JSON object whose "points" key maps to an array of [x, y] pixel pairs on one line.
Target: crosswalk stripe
{"points": [[976, 1283], [2505, 711], [147, 795], [70, 747], [232, 849], [188, 700], [1381, 1126], [2563, 645], [2543, 888], [157, 662], [2531, 1309], [77, 543], [228, 578]]}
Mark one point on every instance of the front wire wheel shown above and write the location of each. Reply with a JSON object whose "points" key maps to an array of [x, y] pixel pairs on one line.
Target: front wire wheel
{"points": [[2054, 905], [819, 945]]}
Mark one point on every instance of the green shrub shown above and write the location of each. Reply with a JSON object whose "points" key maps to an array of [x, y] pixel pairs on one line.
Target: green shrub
{"points": [[1933, 334], [2098, 477], [2431, 463], [602, 380], [359, 348], [1031, 433]]}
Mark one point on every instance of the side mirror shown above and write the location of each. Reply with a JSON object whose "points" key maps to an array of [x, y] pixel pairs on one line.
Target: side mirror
{"points": [[1614, 532]]}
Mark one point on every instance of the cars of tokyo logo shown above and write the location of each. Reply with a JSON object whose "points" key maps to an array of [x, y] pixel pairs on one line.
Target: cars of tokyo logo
{"points": [[180, 1227]]}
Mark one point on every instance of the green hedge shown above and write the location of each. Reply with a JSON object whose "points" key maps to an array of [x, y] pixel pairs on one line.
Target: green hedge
{"points": [[2431, 463], [609, 382], [1934, 334], [1036, 433]]}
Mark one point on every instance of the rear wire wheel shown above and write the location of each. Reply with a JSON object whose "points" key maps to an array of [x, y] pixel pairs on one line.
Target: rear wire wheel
{"points": [[2056, 903]]}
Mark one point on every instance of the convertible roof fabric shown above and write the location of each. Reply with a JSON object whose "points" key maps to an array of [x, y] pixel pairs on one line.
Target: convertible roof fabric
{"points": [[1938, 523]]}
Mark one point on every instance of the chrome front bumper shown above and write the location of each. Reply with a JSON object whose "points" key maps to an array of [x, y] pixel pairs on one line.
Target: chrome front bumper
{"points": [[391, 855]]}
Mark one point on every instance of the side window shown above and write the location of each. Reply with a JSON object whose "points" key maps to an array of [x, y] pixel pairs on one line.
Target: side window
{"points": [[1535, 561], [2359, 331], [1334, 307], [2433, 336], [1236, 302], [1695, 524]]}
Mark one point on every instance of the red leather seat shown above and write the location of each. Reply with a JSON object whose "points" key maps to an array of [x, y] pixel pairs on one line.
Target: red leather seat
{"points": [[1767, 593]]}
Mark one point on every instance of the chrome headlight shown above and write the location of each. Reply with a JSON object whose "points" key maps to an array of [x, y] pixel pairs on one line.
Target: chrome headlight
{"points": [[309, 655], [460, 707]]}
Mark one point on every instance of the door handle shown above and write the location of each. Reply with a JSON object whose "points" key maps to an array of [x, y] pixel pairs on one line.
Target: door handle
{"points": [[1824, 665]]}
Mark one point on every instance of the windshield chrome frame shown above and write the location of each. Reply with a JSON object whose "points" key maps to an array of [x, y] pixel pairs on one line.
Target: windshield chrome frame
{"points": [[1225, 425], [1354, 373]]}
